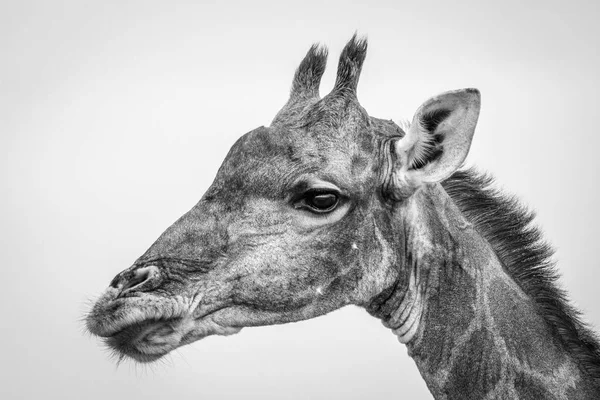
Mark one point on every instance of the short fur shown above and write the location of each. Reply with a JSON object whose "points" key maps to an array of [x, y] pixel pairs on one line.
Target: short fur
{"points": [[506, 224]]}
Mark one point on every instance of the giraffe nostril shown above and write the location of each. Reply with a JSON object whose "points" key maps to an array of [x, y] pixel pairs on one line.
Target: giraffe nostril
{"points": [[140, 276]]}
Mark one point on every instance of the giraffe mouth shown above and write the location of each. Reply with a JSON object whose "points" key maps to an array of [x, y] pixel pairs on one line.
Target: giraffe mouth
{"points": [[149, 340], [136, 330]]}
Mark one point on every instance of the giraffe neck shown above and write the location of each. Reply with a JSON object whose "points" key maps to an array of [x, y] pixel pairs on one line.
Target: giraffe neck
{"points": [[471, 330]]}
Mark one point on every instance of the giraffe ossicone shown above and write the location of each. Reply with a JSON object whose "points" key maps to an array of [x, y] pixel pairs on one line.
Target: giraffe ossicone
{"points": [[329, 207]]}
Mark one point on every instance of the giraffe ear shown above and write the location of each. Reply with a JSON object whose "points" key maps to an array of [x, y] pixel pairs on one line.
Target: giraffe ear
{"points": [[438, 139]]}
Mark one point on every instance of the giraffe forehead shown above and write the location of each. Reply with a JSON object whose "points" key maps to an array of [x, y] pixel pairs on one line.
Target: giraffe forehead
{"points": [[273, 158]]}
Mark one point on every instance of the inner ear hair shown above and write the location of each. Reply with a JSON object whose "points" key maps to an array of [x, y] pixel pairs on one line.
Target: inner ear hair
{"points": [[430, 146], [438, 139]]}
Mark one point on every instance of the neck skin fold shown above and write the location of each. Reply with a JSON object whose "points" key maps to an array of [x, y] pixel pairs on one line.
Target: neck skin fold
{"points": [[471, 330]]}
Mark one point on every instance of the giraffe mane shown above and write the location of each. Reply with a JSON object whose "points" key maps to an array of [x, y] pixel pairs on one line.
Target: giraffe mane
{"points": [[507, 225]]}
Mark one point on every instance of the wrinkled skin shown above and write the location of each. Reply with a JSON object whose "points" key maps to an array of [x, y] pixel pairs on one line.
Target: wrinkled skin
{"points": [[251, 252]]}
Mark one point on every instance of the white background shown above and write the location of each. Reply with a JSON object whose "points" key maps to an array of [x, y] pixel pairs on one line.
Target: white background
{"points": [[114, 117]]}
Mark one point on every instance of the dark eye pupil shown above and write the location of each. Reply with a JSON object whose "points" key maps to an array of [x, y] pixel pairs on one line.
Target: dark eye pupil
{"points": [[323, 201]]}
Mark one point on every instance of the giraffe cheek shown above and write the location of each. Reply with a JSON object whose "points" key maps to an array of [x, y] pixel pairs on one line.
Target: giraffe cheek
{"points": [[270, 290]]}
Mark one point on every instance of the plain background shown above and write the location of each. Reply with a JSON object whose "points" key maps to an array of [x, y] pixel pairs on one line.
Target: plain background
{"points": [[114, 117]]}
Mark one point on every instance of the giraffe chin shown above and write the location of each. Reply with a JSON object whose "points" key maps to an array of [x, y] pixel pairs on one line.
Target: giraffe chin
{"points": [[149, 340]]}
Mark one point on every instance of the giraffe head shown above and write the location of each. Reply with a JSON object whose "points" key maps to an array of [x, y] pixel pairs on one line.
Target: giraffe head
{"points": [[298, 222]]}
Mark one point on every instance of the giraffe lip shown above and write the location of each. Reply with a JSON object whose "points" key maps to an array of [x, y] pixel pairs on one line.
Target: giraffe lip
{"points": [[106, 324], [198, 315], [144, 341], [121, 329], [131, 330]]}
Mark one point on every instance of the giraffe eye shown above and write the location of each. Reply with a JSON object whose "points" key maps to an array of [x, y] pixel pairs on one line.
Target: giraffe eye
{"points": [[319, 201]]}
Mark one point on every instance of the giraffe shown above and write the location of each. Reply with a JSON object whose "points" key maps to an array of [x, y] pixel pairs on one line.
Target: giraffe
{"points": [[329, 207]]}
